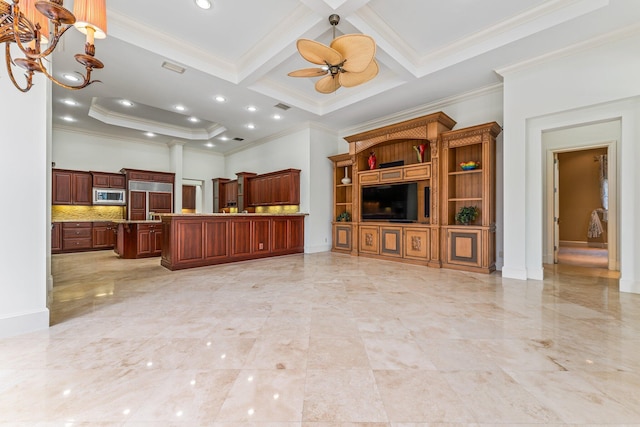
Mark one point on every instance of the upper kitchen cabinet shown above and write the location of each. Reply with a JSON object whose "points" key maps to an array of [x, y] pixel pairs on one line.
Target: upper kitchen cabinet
{"points": [[108, 180], [149, 176], [275, 188], [71, 187]]}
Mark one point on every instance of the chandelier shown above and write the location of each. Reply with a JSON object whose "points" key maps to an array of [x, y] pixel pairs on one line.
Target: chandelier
{"points": [[32, 24]]}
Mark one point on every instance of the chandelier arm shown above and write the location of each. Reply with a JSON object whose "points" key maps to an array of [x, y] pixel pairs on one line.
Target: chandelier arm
{"points": [[86, 78], [36, 54], [28, 76], [52, 43]]}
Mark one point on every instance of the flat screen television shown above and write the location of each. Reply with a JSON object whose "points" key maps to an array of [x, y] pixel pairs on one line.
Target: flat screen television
{"points": [[392, 202]]}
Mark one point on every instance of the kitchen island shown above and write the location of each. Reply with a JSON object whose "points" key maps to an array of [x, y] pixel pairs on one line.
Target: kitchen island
{"points": [[138, 238], [196, 240]]}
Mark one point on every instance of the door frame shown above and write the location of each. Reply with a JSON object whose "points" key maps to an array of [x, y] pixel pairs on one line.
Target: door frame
{"points": [[612, 225]]}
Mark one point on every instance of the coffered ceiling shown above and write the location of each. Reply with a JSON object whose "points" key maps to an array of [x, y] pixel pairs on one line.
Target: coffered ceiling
{"points": [[242, 50]]}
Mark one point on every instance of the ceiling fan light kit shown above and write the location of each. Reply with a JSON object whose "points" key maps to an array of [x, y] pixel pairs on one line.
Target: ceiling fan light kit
{"points": [[28, 23], [349, 60]]}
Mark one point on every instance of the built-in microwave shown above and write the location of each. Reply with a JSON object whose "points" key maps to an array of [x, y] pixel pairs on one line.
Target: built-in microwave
{"points": [[109, 196]]}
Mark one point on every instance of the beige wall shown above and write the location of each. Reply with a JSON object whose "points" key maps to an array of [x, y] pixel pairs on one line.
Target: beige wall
{"points": [[579, 187]]}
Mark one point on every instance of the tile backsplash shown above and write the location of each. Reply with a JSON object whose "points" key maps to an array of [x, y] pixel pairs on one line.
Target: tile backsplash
{"points": [[86, 213]]}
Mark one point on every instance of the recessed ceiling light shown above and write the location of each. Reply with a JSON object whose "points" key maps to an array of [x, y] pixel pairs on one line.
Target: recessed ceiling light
{"points": [[193, 119], [220, 98], [203, 4], [70, 102], [251, 108], [210, 145], [68, 119], [251, 126], [180, 107], [224, 138], [150, 134], [276, 116], [71, 77], [126, 103]]}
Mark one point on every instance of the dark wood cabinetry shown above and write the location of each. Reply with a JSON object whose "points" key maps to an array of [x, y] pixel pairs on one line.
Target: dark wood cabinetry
{"points": [[160, 202], [138, 239], [275, 188], [108, 180], [56, 237], [189, 197], [231, 193], [137, 205], [76, 236], [199, 240], [103, 235], [71, 187]]}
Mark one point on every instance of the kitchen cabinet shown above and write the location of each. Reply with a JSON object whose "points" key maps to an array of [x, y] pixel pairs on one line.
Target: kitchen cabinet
{"points": [[149, 176], [138, 239], [137, 205], [275, 188], [71, 187], [199, 240], [160, 202], [219, 194], [149, 240], [108, 180], [103, 235], [56, 237], [231, 193], [76, 236], [189, 197]]}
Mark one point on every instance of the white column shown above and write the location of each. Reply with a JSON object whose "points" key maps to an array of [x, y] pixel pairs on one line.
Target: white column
{"points": [[23, 170], [176, 162]]}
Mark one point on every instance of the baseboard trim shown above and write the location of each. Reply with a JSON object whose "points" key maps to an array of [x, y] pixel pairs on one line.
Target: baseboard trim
{"points": [[580, 244], [24, 323]]}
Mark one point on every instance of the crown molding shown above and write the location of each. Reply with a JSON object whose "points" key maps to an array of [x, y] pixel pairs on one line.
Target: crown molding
{"points": [[621, 34], [420, 111]]}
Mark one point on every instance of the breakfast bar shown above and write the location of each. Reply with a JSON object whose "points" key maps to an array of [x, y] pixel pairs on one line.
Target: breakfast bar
{"points": [[197, 240]]}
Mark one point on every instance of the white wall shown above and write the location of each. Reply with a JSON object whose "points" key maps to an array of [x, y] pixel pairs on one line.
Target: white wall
{"points": [[23, 172], [596, 83], [306, 149], [94, 152]]}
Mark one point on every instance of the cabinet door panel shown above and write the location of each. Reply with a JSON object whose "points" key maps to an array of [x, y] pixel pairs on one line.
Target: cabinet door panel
{"points": [[279, 234], [216, 239], [369, 239], [261, 234], [56, 237], [240, 237], [61, 191], [138, 205], [160, 202], [82, 186]]}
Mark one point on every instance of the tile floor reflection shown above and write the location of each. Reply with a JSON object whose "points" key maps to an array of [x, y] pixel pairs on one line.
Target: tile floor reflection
{"points": [[323, 340]]}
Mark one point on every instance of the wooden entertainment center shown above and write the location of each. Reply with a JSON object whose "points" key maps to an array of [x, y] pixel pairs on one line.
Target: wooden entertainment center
{"points": [[432, 237]]}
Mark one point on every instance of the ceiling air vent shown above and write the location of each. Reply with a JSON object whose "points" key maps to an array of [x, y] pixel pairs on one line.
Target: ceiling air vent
{"points": [[282, 106], [238, 139], [173, 67]]}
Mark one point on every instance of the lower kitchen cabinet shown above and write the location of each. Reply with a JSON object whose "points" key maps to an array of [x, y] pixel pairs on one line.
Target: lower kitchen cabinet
{"points": [[56, 237], [104, 235], [138, 239], [76, 236]]}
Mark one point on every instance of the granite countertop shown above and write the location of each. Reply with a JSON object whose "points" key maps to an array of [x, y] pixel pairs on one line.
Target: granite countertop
{"points": [[237, 214], [136, 221]]}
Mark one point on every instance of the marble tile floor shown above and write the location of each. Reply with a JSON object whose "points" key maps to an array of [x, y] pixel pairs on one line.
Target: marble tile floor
{"points": [[323, 340]]}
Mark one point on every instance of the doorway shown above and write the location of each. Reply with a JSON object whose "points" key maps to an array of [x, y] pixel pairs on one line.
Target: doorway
{"points": [[581, 208], [581, 227]]}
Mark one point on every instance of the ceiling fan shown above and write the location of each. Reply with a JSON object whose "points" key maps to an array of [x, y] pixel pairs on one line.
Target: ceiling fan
{"points": [[348, 61]]}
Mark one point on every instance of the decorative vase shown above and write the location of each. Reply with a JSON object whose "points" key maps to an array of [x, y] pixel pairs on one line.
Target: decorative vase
{"points": [[372, 160], [346, 180], [420, 151]]}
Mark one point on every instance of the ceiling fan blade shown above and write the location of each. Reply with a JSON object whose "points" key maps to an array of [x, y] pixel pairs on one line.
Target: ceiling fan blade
{"points": [[318, 53], [354, 79], [357, 49], [308, 72], [328, 84]]}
